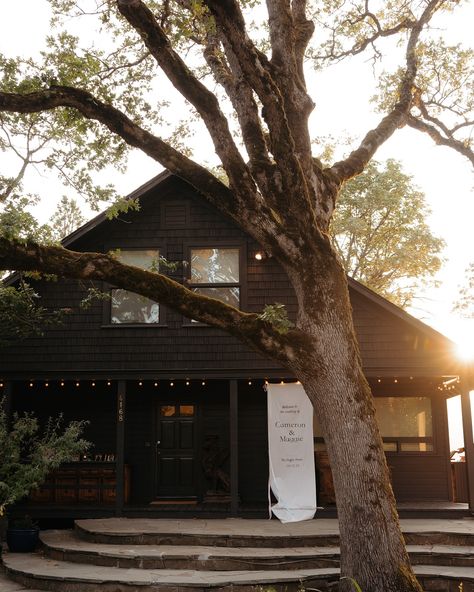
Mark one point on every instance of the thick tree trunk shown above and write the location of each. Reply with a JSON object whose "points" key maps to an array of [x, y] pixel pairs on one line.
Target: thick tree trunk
{"points": [[372, 547]]}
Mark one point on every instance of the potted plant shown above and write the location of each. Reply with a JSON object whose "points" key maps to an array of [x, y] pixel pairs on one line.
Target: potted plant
{"points": [[22, 535], [29, 453]]}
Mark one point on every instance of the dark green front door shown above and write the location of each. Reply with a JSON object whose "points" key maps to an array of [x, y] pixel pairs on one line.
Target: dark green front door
{"points": [[176, 450]]}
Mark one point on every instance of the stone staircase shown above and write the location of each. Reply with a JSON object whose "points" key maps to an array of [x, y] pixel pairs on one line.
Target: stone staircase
{"points": [[125, 555]]}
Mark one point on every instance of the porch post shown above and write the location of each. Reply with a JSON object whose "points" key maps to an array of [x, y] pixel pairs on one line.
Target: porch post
{"points": [[234, 450], [468, 437], [120, 449]]}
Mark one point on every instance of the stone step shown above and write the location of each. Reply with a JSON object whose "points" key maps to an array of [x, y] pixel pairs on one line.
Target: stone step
{"points": [[238, 532], [44, 573], [65, 546], [37, 571], [228, 532], [454, 555]]}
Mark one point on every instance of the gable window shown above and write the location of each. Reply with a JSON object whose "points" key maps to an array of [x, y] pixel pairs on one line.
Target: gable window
{"points": [[215, 273], [406, 423], [130, 308]]}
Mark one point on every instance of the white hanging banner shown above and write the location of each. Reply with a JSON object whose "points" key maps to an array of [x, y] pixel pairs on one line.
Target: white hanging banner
{"points": [[291, 452]]}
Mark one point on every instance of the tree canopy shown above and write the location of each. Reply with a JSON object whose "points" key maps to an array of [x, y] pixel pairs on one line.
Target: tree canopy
{"points": [[239, 71], [382, 235], [465, 303]]}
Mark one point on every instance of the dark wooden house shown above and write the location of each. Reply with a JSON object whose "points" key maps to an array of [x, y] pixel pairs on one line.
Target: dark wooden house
{"points": [[177, 409]]}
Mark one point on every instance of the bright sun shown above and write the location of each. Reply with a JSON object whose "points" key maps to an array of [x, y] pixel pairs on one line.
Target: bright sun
{"points": [[464, 339]]}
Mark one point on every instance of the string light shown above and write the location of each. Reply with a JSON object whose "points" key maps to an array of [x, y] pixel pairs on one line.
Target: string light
{"points": [[31, 384], [1, 384], [93, 383], [46, 384], [171, 383], [78, 384], [108, 383], [250, 382], [187, 382], [62, 383], [203, 383], [379, 380], [156, 384], [140, 383], [395, 380]]}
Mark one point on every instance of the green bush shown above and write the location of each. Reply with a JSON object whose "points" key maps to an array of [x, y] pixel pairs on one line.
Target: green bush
{"points": [[30, 453]]}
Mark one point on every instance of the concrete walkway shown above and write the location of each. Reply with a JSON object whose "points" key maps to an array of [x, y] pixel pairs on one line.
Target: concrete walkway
{"points": [[6, 585]]}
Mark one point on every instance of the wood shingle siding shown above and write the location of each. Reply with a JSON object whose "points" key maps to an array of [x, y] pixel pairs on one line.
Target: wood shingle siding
{"points": [[87, 342]]}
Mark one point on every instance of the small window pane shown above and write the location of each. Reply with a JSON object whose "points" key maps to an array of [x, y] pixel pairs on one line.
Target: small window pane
{"points": [[390, 446], [215, 266], [404, 416], [168, 410], [230, 296], [187, 410], [416, 447], [144, 259], [128, 307]]}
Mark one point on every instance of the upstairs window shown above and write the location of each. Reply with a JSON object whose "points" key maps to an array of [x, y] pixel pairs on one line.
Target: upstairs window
{"points": [[215, 273], [130, 308]]}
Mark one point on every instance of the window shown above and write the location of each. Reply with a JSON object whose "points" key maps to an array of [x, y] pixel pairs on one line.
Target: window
{"points": [[130, 308], [215, 273], [406, 423]]}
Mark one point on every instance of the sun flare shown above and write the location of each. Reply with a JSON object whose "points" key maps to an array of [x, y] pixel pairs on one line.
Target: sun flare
{"points": [[465, 343]]}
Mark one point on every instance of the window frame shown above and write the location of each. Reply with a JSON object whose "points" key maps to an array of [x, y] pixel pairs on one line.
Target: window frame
{"points": [[107, 309], [400, 440], [319, 444], [241, 246]]}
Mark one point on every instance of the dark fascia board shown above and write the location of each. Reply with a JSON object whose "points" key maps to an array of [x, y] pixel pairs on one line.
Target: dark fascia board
{"points": [[354, 284], [397, 311]]}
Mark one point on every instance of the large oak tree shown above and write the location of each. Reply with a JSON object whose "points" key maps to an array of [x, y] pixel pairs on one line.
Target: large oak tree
{"points": [[87, 104]]}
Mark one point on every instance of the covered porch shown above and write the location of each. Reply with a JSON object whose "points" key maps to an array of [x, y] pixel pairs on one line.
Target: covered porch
{"points": [[196, 445]]}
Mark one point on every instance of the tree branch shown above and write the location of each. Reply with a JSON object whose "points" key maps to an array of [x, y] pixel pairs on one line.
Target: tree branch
{"points": [[117, 122], [229, 75], [439, 139], [205, 102], [303, 30], [259, 74], [357, 160], [280, 24], [249, 328]]}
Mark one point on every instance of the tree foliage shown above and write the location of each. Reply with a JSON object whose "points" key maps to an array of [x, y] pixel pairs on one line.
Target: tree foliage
{"points": [[464, 305], [380, 231], [30, 452], [67, 218], [21, 314]]}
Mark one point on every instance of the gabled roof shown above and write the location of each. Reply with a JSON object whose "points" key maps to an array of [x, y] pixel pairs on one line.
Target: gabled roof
{"points": [[102, 217], [359, 288]]}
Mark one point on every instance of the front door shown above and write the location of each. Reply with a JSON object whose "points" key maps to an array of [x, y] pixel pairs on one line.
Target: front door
{"points": [[176, 451]]}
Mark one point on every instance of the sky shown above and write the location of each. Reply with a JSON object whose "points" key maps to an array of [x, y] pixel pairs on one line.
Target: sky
{"points": [[446, 178]]}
